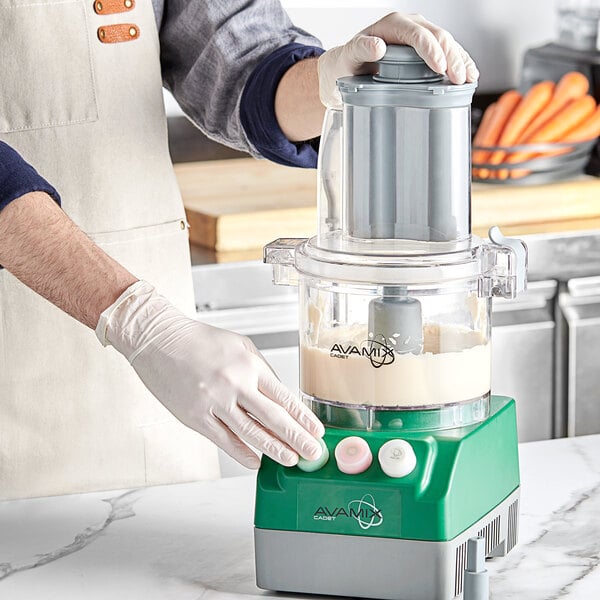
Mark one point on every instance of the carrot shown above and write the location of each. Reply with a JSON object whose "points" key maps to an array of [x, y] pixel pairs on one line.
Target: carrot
{"points": [[587, 130], [571, 86], [530, 106], [501, 113], [569, 118], [571, 115], [483, 132]]}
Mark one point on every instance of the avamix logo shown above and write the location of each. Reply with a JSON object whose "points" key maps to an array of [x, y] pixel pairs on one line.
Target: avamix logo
{"points": [[377, 352], [363, 511]]}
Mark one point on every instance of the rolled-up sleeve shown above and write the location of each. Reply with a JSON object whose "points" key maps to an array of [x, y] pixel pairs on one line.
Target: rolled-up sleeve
{"points": [[257, 109], [210, 49], [18, 178]]}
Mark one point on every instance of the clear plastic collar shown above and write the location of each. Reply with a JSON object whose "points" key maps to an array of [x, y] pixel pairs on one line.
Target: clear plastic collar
{"points": [[499, 266]]}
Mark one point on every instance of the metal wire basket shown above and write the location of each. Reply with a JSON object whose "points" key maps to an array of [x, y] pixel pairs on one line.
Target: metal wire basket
{"points": [[539, 163]]}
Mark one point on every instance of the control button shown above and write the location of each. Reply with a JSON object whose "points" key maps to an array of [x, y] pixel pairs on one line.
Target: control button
{"points": [[397, 458], [353, 455], [309, 466]]}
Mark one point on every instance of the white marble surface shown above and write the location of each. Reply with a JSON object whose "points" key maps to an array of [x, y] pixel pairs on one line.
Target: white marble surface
{"points": [[194, 541]]}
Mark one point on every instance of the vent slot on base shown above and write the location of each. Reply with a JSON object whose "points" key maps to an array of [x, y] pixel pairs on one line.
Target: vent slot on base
{"points": [[513, 525], [491, 533]]}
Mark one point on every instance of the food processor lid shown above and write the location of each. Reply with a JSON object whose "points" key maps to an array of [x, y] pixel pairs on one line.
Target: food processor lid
{"points": [[497, 267], [404, 79]]}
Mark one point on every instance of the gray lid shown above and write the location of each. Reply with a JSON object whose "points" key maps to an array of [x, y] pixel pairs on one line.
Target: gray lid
{"points": [[402, 64], [404, 80]]}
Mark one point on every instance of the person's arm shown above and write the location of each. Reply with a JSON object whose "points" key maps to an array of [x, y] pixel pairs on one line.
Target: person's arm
{"points": [[214, 381], [284, 84], [44, 249], [298, 108], [223, 60]]}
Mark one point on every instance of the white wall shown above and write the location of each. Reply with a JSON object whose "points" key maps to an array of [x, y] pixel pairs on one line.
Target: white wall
{"points": [[495, 33]]}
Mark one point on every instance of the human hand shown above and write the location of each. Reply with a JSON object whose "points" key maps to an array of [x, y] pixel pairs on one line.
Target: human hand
{"points": [[214, 381], [436, 46]]}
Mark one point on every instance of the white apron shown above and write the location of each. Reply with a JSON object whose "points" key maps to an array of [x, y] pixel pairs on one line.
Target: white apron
{"points": [[88, 114]]}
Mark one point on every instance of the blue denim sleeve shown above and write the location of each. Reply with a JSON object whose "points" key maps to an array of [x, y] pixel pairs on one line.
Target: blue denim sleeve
{"points": [[257, 109], [18, 177]]}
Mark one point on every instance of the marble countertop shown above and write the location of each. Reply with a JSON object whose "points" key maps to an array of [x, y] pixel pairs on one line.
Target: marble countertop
{"points": [[193, 541]]}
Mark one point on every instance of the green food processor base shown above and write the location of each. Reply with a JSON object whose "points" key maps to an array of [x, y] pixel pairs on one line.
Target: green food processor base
{"points": [[373, 536]]}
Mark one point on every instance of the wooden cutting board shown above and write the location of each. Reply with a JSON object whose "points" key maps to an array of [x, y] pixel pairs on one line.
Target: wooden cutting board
{"points": [[236, 206]]}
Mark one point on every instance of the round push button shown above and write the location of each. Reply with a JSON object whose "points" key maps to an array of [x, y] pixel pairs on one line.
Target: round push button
{"points": [[309, 466], [353, 455], [397, 458]]}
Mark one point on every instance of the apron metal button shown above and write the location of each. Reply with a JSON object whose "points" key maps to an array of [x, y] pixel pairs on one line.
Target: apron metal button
{"points": [[128, 3], [132, 31], [98, 6], [101, 33]]}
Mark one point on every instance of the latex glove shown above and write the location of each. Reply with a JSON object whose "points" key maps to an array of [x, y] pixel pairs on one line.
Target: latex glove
{"points": [[435, 45], [212, 380]]}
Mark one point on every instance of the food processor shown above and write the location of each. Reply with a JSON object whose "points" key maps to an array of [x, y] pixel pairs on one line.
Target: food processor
{"points": [[395, 355]]}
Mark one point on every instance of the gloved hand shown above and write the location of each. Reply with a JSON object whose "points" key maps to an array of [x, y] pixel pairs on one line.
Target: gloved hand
{"points": [[436, 46], [212, 380]]}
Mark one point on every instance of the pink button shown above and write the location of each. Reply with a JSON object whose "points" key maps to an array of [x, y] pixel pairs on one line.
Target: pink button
{"points": [[353, 455]]}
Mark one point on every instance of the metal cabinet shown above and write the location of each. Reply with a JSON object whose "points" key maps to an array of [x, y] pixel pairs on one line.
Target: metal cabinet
{"points": [[579, 304], [523, 357]]}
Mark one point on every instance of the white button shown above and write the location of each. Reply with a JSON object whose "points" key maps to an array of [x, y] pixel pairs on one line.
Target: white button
{"points": [[397, 458]]}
